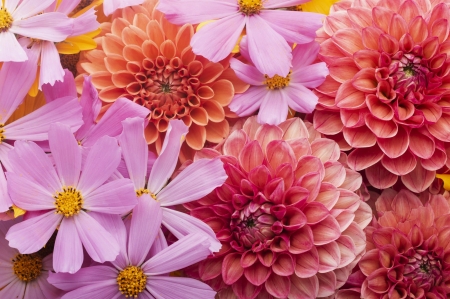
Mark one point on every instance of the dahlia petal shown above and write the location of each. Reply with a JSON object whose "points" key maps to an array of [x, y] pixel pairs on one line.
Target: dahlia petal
{"points": [[235, 143], [383, 112], [284, 265], [440, 129], [274, 108], [300, 98], [382, 17], [347, 249], [329, 257], [247, 72], [257, 274], [231, 268], [396, 146], [66, 88], [362, 158], [264, 45], [327, 284], [343, 69], [216, 40], [144, 228], [349, 97], [31, 235], [98, 242], [326, 231], [378, 281], [348, 40], [68, 252], [307, 288], [361, 137], [101, 161], [334, 173], [326, 150], [379, 177], [248, 102], [307, 263], [50, 26], [419, 179], [273, 156], [401, 165], [178, 287], [66, 154], [251, 156], [327, 122], [278, 286]]}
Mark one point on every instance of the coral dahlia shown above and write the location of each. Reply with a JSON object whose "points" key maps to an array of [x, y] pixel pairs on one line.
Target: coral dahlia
{"points": [[143, 57], [288, 217], [387, 98]]}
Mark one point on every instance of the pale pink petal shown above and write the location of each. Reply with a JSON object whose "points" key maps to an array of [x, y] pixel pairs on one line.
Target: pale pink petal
{"points": [[274, 108], [85, 276], [85, 23], [310, 76], [116, 197], [159, 244], [134, 150], [50, 26], [304, 55], [31, 235], [5, 200], [109, 6], [35, 126], [102, 160], [185, 252], [216, 40], [11, 4], [247, 103], [179, 11], [10, 49], [28, 195], [5, 148], [66, 154], [66, 88], [269, 51], [28, 8], [103, 290], [99, 244], [145, 226], [194, 182], [300, 98], [247, 73], [282, 3], [68, 252], [66, 6], [163, 287], [91, 106], [165, 164], [51, 69], [110, 123], [15, 289]]}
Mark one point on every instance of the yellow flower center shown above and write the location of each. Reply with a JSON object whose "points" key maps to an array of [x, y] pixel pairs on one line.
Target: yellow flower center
{"points": [[27, 267], [5, 19], [131, 281], [277, 82], [145, 191], [2, 131], [250, 7], [69, 202]]}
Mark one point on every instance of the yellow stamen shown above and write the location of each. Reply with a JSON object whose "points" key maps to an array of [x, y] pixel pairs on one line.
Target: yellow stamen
{"points": [[27, 267], [2, 131], [6, 19], [277, 82], [131, 281], [69, 202], [142, 191], [250, 7]]}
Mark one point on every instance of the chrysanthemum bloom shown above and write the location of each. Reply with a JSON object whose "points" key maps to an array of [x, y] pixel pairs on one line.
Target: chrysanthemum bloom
{"points": [[148, 60], [67, 200], [24, 275], [193, 182], [25, 18], [386, 98], [290, 223], [407, 249], [269, 30], [137, 272], [274, 96]]}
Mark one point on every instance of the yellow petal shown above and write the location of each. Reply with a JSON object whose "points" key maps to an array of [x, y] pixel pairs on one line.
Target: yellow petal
{"points": [[18, 211], [35, 87], [319, 6], [446, 179]]}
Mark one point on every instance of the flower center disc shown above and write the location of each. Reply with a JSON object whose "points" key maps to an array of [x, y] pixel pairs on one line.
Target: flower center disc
{"points": [[2, 136], [277, 82], [131, 281], [5, 19], [68, 202], [250, 7], [27, 267]]}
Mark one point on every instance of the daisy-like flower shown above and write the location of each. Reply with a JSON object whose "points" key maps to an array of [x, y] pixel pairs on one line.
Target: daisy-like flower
{"points": [[24, 18], [24, 275], [386, 98], [274, 95], [159, 71], [288, 217], [137, 272], [67, 200], [407, 249], [15, 80], [195, 181], [268, 29]]}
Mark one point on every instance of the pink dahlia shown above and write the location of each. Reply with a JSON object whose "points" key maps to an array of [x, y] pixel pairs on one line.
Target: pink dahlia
{"points": [[408, 249], [269, 29], [387, 97], [288, 217]]}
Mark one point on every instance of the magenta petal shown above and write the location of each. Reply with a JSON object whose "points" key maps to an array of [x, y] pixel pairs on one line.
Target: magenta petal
{"points": [[104, 289], [247, 73], [68, 252], [48, 291], [50, 26], [11, 50], [194, 182], [269, 51], [66, 88], [158, 245], [85, 276], [274, 108], [5, 200], [33, 290], [300, 98], [165, 164], [216, 40], [304, 55], [16, 289], [185, 252], [91, 105], [31, 235], [51, 69], [179, 288], [247, 103]]}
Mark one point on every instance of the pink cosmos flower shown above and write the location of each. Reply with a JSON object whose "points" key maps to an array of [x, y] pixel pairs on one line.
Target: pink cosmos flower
{"points": [[387, 97], [273, 96], [194, 182], [269, 30], [15, 80], [67, 200], [138, 273], [24, 18], [288, 217], [109, 6], [24, 275]]}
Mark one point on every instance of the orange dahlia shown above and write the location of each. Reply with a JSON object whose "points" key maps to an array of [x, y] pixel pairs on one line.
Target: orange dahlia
{"points": [[387, 97], [143, 57]]}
